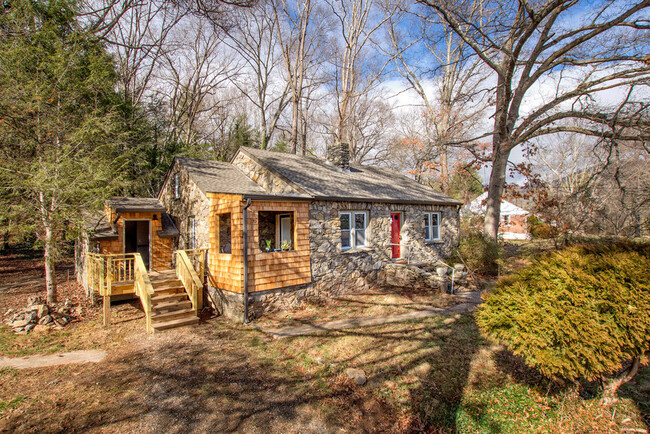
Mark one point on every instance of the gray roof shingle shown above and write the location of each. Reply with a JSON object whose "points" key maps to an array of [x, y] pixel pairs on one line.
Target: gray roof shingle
{"points": [[322, 180], [135, 204], [219, 177]]}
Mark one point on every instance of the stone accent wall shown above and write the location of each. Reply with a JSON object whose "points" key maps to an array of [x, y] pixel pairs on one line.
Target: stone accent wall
{"points": [[336, 271], [267, 179], [192, 203]]}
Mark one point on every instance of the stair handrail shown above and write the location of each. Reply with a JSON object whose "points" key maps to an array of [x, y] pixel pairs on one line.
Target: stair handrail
{"points": [[190, 279], [143, 288]]}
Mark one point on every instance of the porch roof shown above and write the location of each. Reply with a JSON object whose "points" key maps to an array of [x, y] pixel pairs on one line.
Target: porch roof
{"points": [[135, 204]]}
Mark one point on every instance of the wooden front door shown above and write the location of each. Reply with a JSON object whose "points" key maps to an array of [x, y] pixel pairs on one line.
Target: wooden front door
{"points": [[395, 239], [136, 239]]}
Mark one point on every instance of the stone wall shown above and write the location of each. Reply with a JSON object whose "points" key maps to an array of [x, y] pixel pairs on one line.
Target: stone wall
{"points": [[336, 271], [192, 203]]}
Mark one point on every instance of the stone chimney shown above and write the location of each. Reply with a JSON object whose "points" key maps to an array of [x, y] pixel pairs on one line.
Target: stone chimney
{"points": [[339, 155]]}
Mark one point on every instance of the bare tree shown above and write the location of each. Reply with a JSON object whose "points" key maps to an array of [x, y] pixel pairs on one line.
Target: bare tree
{"points": [[301, 28], [356, 73], [530, 45], [458, 99], [139, 39], [193, 74], [255, 39]]}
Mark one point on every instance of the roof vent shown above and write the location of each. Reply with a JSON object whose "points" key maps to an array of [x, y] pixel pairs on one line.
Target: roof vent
{"points": [[339, 155]]}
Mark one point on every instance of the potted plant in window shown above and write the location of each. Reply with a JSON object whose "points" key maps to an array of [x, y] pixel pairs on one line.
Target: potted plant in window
{"points": [[286, 245], [268, 245]]}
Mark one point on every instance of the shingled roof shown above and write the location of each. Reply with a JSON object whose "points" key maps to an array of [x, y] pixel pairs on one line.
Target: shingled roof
{"points": [[322, 180], [314, 178], [219, 177], [135, 204]]}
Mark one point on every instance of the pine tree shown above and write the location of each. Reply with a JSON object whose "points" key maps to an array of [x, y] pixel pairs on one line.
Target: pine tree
{"points": [[58, 122]]}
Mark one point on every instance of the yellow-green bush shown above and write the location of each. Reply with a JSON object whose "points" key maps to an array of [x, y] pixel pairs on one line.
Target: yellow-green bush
{"points": [[479, 253], [576, 313]]}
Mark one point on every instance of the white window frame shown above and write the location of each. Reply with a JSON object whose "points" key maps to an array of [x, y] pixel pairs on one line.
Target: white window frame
{"points": [[352, 230], [505, 219], [431, 226], [177, 185]]}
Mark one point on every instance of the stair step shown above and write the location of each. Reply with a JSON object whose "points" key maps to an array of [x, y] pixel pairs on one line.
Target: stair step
{"points": [[172, 306], [173, 314], [168, 290], [166, 282], [165, 298], [178, 322]]}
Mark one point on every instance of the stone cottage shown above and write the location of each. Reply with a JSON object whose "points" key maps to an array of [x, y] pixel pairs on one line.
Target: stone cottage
{"points": [[282, 227]]}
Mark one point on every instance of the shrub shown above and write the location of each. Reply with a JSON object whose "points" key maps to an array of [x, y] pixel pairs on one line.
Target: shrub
{"points": [[540, 230], [579, 313], [479, 254]]}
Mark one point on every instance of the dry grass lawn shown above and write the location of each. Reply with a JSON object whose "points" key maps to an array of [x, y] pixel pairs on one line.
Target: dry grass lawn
{"points": [[431, 375]]}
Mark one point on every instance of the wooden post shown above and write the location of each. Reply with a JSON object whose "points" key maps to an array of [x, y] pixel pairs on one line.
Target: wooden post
{"points": [[107, 298], [107, 310]]}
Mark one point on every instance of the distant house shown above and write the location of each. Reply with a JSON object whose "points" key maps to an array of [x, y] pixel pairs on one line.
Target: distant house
{"points": [[277, 228], [513, 223]]}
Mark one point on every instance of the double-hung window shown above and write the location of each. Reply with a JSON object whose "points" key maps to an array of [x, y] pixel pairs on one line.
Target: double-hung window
{"points": [[432, 226], [353, 229]]}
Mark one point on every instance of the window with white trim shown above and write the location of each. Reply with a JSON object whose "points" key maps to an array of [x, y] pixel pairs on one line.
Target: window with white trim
{"points": [[354, 225], [177, 185], [432, 226], [505, 220]]}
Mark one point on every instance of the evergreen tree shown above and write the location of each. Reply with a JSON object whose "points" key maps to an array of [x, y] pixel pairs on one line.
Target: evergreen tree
{"points": [[59, 123]]}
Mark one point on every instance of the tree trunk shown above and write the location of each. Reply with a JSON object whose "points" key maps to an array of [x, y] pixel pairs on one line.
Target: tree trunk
{"points": [[610, 389], [294, 123], [50, 278], [495, 191]]}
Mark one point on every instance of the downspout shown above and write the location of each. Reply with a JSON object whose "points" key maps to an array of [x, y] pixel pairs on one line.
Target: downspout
{"points": [[118, 215], [248, 203]]}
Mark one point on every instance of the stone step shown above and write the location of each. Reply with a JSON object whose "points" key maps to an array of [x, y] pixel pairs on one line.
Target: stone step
{"points": [[178, 322], [172, 314], [172, 306]]}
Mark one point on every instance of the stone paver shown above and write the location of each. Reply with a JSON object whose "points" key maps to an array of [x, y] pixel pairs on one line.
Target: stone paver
{"points": [[89, 356], [470, 301]]}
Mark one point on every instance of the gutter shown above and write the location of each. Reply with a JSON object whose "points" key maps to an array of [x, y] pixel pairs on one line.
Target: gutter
{"points": [[245, 212]]}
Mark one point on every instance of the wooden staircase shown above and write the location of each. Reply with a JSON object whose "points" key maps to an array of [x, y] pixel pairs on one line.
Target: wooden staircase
{"points": [[170, 305]]}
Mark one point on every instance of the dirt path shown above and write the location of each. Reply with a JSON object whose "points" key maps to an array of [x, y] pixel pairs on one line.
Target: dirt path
{"points": [[469, 302], [89, 356]]}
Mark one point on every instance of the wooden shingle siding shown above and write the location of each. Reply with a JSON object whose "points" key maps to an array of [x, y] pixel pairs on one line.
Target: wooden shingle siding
{"points": [[273, 270], [161, 248], [267, 270], [226, 269]]}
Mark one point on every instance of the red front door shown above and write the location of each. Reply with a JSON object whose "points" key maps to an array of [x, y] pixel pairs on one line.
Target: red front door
{"points": [[394, 235]]}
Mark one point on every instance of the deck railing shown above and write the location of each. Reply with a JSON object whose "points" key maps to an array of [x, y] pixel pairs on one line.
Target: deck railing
{"points": [[106, 270], [197, 258], [191, 275]]}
